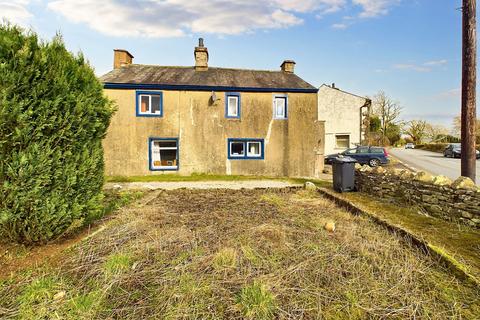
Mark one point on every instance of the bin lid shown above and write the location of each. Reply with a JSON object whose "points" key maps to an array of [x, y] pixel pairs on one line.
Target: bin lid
{"points": [[344, 160]]}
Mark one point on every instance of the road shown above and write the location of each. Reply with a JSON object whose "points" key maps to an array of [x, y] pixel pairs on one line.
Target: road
{"points": [[431, 162]]}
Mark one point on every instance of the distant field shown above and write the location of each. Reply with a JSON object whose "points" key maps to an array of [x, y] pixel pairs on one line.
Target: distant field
{"points": [[239, 254]]}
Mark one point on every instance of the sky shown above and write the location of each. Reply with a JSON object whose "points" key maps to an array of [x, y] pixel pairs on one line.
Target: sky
{"points": [[411, 49]]}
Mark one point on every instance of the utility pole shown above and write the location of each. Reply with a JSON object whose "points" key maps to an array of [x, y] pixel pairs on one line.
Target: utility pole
{"points": [[469, 82]]}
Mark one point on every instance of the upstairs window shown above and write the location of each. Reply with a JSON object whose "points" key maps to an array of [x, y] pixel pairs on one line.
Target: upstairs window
{"points": [[149, 104], [280, 107], [163, 154], [245, 149], [232, 105]]}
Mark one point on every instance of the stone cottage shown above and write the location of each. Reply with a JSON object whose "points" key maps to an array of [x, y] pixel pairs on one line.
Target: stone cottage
{"points": [[202, 119]]}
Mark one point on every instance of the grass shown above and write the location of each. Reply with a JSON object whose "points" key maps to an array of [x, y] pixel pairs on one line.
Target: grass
{"points": [[456, 242], [255, 301], [230, 254]]}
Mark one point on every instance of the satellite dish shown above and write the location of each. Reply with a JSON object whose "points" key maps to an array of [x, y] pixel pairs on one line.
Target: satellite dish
{"points": [[214, 96]]}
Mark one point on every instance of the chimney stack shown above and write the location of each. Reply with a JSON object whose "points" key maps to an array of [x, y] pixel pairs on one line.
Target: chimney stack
{"points": [[288, 66], [121, 58], [201, 56]]}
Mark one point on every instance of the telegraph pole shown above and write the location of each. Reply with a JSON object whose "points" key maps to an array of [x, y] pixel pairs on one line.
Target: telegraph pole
{"points": [[469, 82]]}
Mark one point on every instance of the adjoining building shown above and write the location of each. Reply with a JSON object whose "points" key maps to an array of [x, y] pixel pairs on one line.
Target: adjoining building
{"points": [[201, 119], [345, 116]]}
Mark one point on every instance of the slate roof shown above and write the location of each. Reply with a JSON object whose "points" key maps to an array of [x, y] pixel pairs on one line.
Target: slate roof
{"points": [[137, 75]]}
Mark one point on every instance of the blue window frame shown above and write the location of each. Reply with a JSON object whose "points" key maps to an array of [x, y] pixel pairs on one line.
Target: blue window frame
{"points": [[163, 154], [280, 106], [149, 103], [232, 105], [245, 149]]}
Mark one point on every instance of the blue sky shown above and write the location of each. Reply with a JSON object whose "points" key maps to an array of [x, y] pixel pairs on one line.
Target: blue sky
{"points": [[411, 49]]}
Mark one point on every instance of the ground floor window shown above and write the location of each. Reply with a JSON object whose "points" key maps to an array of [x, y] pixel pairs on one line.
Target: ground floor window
{"points": [[342, 141], [163, 153], [245, 149]]}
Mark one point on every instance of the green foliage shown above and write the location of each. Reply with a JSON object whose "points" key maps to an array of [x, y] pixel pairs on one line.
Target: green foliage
{"points": [[375, 124], [393, 133], [53, 116]]}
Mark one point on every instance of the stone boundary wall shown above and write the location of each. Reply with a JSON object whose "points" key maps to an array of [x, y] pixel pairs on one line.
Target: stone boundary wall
{"points": [[437, 196]]}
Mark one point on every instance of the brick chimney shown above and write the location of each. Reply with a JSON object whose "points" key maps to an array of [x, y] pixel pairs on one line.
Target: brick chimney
{"points": [[288, 66], [121, 58], [201, 56]]}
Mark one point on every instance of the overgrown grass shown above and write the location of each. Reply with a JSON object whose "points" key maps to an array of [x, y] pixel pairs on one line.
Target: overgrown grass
{"points": [[255, 301], [229, 254]]}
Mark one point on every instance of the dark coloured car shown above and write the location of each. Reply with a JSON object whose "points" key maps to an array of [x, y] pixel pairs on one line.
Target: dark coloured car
{"points": [[454, 150], [373, 156]]}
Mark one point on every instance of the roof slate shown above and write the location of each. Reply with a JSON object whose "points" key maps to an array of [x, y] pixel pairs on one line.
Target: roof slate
{"points": [[213, 77]]}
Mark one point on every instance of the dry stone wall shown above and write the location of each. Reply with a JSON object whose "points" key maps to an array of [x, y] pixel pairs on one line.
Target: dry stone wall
{"points": [[438, 196]]}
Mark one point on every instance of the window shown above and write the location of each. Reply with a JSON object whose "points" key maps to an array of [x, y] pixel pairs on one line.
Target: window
{"points": [[149, 104], [163, 154], [342, 141], [245, 149], [254, 149], [232, 105], [377, 150], [351, 151], [280, 107]]}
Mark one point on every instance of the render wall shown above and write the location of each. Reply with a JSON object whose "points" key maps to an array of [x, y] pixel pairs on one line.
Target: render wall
{"points": [[293, 147], [457, 201], [341, 112]]}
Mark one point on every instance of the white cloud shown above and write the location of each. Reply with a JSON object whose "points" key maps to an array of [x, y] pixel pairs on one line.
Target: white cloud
{"points": [[373, 8], [340, 26], [15, 11], [436, 62], [408, 66], [424, 67], [452, 93], [172, 18]]}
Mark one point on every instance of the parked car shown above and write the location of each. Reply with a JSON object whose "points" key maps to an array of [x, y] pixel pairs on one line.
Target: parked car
{"points": [[373, 156], [409, 146], [454, 150]]}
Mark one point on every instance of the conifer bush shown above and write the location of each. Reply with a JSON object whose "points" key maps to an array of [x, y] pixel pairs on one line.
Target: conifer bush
{"points": [[53, 117]]}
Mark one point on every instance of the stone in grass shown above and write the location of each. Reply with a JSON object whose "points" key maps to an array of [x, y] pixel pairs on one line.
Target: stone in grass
{"points": [[358, 166], [463, 183], [442, 181], [117, 187], [310, 186], [59, 295], [330, 226]]}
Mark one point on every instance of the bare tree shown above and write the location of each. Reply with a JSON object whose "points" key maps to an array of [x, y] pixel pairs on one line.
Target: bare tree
{"points": [[434, 131], [457, 127], [417, 129], [387, 110]]}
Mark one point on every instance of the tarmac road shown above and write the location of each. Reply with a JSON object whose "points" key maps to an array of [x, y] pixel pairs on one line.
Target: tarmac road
{"points": [[431, 162]]}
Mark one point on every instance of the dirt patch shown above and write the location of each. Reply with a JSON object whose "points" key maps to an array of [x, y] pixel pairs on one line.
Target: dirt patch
{"points": [[236, 254]]}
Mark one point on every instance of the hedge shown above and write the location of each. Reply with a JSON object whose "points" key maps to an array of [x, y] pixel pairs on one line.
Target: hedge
{"points": [[53, 117]]}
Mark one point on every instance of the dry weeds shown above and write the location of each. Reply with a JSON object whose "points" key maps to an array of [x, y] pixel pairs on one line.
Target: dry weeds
{"points": [[224, 254]]}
